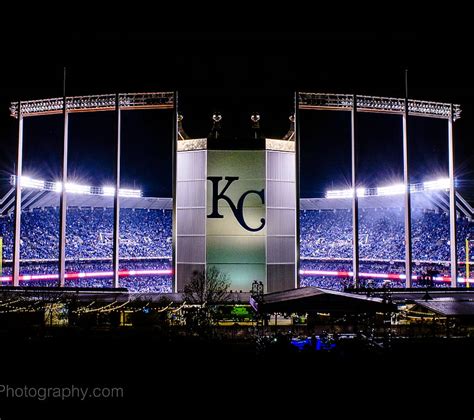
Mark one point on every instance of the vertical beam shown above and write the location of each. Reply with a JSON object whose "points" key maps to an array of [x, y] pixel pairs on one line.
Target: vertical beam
{"points": [[467, 263], [355, 199], [116, 254], [174, 146], [406, 182], [62, 200], [17, 223], [452, 202], [297, 179]]}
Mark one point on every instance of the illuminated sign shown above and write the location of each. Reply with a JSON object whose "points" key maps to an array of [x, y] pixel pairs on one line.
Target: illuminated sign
{"points": [[236, 225], [237, 210]]}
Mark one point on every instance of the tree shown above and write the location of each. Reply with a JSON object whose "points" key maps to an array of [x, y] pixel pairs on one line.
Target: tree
{"points": [[205, 290]]}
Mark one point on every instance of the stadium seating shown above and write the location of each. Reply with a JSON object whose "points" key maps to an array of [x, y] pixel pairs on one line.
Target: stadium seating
{"points": [[143, 233], [145, 243], [381, 234]]}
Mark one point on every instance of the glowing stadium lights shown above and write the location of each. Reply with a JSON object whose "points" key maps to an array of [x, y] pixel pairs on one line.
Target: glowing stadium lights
{"points": [[124, 192], [109, 191], [57, 186], [73, 188], [439, 184], [377, 104], [397, 189], [150, 100], [391, 190], [27, 182], [77, 189], [345, 193]]}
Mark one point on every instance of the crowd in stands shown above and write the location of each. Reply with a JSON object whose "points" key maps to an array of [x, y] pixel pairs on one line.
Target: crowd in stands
{"points": [[142, 284], [340, 283], [89, 233], [137, 283], [146, 234], [381, 234]]}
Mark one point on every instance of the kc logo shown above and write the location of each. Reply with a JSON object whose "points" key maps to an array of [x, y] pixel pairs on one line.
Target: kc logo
{"points": [[237, 210]]}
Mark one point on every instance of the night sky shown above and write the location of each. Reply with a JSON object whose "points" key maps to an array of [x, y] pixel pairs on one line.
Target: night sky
{"points": [[237, 74]]}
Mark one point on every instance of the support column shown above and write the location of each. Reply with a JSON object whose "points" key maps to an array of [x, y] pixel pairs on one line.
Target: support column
{"points": [[297, 179], [17, 222], [355, 199], [62, 200], [174, 148], [452, 202], [467, 263], [116, 254], [406, 182]]}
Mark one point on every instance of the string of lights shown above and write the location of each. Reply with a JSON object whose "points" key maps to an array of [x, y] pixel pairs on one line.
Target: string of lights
{"points": [[79, 311], [115, 307]]}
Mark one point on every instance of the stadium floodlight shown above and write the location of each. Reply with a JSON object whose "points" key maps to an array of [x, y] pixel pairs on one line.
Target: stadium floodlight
{"points": [[92, 103], [377, 104], [77, 189], [123, 192], [71, 187], [345, 193], [27, 182], [439, 184], [58, 186], [339, 194], [396, 189], [108, 191]]}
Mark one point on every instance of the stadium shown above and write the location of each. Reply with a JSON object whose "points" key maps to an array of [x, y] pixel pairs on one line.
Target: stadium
{"points": [[329, 175], [109, 276], [101, 239]]}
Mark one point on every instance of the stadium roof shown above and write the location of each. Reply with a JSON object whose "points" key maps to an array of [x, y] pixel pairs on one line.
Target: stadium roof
{"points": [[377, 104], [313, 299], [93, 103], [418, 294], [33, 198], [448, 307], [429, 200]]}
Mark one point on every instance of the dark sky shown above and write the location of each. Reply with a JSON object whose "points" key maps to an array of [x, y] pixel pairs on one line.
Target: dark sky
{"points": [[237, 74]]}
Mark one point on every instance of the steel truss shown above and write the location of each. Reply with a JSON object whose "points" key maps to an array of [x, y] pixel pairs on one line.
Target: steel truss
{"points": [[93, 103], [377, 104]]}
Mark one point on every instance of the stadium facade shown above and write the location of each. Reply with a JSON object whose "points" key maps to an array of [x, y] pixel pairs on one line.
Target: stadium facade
{"points": [[235, 204]]}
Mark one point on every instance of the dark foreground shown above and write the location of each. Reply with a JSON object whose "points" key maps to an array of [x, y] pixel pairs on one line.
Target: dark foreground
{"points": [[186, 377]]}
